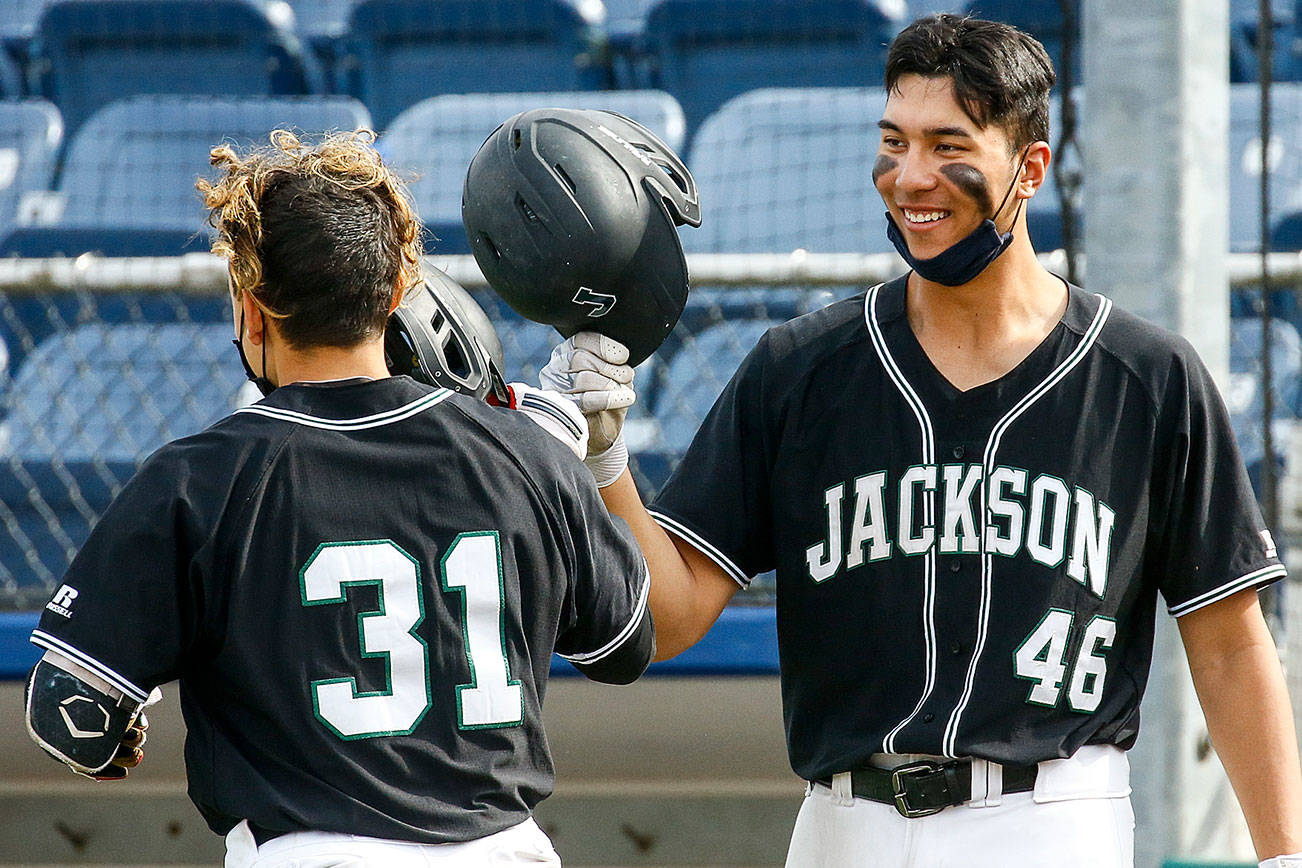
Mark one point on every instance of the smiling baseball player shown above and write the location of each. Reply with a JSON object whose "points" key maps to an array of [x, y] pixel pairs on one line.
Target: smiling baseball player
{"points": [[974, 482]]}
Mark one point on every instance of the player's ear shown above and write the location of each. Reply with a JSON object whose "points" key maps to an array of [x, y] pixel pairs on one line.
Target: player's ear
{"points": [[1035, 169], [254, 320], [398, 292]]}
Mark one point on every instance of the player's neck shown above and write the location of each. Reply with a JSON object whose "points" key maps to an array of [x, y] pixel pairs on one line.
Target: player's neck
{"points": [[326, 363], [977, 332]]}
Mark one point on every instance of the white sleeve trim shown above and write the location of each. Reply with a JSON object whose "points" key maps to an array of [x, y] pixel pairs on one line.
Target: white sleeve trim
{"points": [[676, 527], [53, 643], [613, 645], [1263, 576]]}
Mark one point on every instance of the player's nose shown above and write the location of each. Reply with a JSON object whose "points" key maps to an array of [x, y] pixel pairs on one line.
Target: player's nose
{"points": [[915, 172]]}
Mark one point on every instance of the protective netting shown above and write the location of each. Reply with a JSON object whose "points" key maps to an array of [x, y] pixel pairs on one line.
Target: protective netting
{"points": [[96, 380]]}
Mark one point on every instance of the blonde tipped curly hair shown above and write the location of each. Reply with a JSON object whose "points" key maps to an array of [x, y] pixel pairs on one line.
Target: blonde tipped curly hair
{"points": [[324, 236]]}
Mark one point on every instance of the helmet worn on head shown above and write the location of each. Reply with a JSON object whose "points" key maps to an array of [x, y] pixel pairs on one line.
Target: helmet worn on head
{"points": [[572, 216], [440, 336]]}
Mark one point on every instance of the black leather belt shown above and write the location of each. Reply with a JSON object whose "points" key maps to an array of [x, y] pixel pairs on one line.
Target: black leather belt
{"points": [[922, 788], [261, 834]]}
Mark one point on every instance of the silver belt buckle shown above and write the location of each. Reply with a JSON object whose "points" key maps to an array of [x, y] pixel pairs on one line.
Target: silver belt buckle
{"points": [[902, 799]]}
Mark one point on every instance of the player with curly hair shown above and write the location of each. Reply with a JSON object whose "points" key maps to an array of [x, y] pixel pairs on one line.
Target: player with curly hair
{"points": [[360, 579]]}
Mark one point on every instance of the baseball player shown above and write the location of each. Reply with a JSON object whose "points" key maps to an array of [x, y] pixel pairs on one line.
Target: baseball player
{"points": [[974, 482], [360, 579]]}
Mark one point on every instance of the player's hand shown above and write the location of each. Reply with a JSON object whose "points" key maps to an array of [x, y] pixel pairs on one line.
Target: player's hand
{"points": [[592, 370], [554, 413], [129, 754]]}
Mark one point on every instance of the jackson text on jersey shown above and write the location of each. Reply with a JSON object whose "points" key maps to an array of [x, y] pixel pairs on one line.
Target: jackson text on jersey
{"points": [[1039, 514]]}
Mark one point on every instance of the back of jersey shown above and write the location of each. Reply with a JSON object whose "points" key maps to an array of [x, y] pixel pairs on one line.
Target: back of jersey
{"points": [[377, 575]]}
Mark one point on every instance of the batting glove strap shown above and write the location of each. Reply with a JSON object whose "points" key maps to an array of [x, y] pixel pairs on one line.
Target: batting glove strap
{"points": [[1293, 860], [609, 465]]}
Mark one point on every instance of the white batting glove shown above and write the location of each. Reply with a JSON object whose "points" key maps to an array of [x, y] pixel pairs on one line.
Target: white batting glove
{"points": [[556, 414], [591, 369], [1293, 860]]}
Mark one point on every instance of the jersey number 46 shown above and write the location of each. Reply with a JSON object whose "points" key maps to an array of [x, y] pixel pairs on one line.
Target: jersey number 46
{"points": [[1042, 659]]}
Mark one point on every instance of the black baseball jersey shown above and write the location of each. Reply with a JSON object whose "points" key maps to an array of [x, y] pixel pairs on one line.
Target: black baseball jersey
{"points": [[969, 573], [360, 586]]}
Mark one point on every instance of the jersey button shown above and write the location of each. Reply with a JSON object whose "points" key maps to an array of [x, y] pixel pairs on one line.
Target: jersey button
{"points": [[955, 648], [959, 451], [928, 717], [955, 565]]}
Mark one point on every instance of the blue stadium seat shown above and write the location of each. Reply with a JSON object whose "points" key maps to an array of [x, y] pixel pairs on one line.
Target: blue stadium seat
{"points": [[697, 374], [1286, 61], [1245, 395], [18, 20], [47, 508], [117, 392], [86, 406], [31, 133], [434, 141], [398, 52], [1285, 156], [707, 51], [133, 165], [321, 18], [787, 168], [96, 51], [11, 75], [1040, 18]]}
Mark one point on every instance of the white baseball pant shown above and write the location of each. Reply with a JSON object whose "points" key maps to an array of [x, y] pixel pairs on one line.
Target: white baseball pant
{"points": [[525, 844], [1078, 816]]}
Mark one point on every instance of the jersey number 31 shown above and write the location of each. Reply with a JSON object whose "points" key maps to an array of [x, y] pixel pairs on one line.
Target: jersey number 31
{"points": [[472, 565]]}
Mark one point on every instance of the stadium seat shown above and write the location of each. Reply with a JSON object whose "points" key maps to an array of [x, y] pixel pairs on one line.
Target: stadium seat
{"points": [[697, 374], [31, 132], [707, 51], [96, 51], [787, 168], [86, 406], [398, 52], [1286, 62], [1245, 396], [133, 165], [116, 392], [433, 142], [321, 18], [11, 76], [47, 508], [1040, 18], [1284, 153], [18, 20]]}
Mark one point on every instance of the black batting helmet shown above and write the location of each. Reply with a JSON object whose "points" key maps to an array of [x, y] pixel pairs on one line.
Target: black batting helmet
{"points": [[439, 335], [572, 217]]}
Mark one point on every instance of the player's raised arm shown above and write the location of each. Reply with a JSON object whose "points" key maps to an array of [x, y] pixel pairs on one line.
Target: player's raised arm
{"points": [[688, 590]]}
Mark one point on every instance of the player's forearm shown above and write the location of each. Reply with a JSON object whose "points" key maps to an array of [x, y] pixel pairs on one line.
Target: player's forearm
{"points": [[1245, 701], [681, 610]]}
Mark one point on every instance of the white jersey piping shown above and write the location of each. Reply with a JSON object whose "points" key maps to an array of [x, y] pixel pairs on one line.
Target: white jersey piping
{"points": [[54, 643], [929, 559], [613, 645], [1252, 579], [373, 421], [987, 559], [699, 543]]}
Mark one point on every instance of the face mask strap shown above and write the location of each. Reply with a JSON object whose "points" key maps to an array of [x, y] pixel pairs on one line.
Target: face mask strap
{"points": [[265, 386]]}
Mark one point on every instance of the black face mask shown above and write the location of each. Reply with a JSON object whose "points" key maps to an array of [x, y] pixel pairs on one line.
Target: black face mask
{"points": [[966, 258], [265, 386]]}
